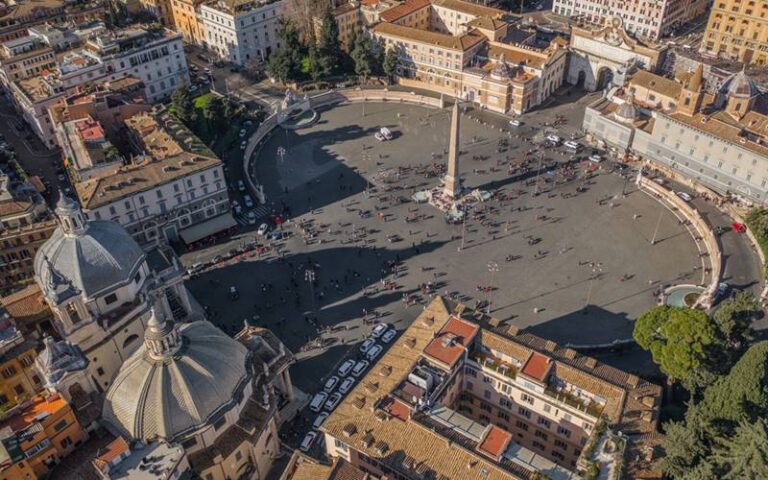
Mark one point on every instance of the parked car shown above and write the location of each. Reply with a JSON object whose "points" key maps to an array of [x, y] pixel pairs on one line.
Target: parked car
{"points": [[243, 145], [233, 293], [251, 217], [309, 439], [660, 180], [242, 133], [333, 400], [248, 201], [330, 384], [374, 352], [240, 185], [515, 123], [379, 330], [684, 196], [346, 385], [345, 368], [366, 345], [554, 139], [319, 420], [570, 144], [389, 335], [318, 401], [276, 235], [263, 229], [360, 368], [595, 158]]}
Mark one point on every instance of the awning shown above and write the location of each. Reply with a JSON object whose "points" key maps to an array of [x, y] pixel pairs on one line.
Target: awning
{"points": [[206, 228]]}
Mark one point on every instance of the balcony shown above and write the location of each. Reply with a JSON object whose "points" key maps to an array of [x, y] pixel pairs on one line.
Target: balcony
{"points": [[587, 406], [490, 362]]}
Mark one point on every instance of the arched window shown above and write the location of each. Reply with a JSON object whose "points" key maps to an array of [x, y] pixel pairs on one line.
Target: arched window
{"points": [[130, 340]]}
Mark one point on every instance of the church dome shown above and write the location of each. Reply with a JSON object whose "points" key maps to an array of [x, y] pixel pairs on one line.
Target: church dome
{"points": [[626, 112], [85, 257], [182, 378], [739, 85]]}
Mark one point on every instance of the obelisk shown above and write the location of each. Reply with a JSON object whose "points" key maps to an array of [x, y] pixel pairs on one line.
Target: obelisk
{"points": [[452, 181]]}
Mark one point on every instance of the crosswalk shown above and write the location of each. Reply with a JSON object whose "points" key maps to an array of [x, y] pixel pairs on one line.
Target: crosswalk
{"points": [[261, 212]]}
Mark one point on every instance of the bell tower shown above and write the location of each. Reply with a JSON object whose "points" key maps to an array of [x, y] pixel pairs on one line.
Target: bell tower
{"points": [[692, 93]]}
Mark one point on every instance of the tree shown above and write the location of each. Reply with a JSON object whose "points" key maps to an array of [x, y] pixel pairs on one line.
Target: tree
{"points": [[678, 339], [733, 320], [285, 64], [379, 52], [328, 46], [390, 63], [745, 454], [279, 67], [362, 55], [182, 103], [724, 434], [255, 69], [315, 67], [213, 111]]}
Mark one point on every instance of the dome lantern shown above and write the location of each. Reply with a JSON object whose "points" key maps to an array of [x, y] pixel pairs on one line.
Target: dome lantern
{"points": [[70, 215], [161, 336]]}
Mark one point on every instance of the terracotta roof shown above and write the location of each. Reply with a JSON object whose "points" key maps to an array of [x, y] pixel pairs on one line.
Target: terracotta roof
{"points": [[402, 10], [656, 83], [537, 367], [14, 207], [302, 467], [495, 441], [449, 344], [27, 303], [113, 450], [517, 56], [463, 42], [487, 23], [631, 403], [469, 8]]}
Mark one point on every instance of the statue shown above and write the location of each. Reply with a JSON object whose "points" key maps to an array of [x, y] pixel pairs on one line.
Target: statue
{"points": [[289, 99]]}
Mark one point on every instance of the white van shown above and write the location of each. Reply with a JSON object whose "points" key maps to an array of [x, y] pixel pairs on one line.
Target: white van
{"points": [[318, 401], [570, 144], [515, 123]]}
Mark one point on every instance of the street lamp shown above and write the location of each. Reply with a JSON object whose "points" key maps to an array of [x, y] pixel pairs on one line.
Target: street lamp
{"points": [[281, 153], [309, 277], [493, 267], [596, 272]]}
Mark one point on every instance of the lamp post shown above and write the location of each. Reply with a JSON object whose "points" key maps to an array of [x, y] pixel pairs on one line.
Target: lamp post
{"points": [[656, 230], [309, 277], [493, 267], [281, 153], [595, 274]]}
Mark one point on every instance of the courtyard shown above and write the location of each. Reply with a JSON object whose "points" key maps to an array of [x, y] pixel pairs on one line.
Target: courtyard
{"points": [[572, 261]]}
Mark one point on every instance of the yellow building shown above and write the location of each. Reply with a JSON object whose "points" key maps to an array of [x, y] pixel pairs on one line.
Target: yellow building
{"points": [[738, 30], [185, 20], [18, 377], [41, 433], [460, 49]]}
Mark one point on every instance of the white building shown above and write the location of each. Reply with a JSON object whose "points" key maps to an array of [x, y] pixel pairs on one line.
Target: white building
{"points": [[156, 57], [647, 18], [240, 32], [174, 188]]}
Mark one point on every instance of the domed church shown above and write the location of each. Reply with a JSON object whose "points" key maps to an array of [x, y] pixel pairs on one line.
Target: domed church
{"points": [[97, 282], [191, 384]]}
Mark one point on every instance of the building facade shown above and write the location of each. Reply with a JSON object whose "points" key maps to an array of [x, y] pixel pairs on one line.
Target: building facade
{"points": [[154, 56], [242, 31], [41, 432], [643, 18], [186, 20], [174, 188], [451, 399], [461, 49], [738, 31], [717, 141]]}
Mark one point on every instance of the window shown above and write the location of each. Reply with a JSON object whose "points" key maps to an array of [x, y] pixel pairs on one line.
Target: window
{"points": [[544, 421], [18, 389], [561, 444], [524, 412], [487, 394], [100, 371], [526, 398], [538, 445], [66, 442], [542, 435], [522, 425], [60, 426], [189, 443], [564, 431], [8, 372], [110, 299]]}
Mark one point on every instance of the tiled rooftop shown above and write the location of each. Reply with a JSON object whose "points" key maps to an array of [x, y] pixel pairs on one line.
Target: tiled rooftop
{"points": [[368, 417], [495, 441], [449, 344]]}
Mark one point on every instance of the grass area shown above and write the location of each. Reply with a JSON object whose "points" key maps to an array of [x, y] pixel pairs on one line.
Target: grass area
{"points": [[201, 127], [305, 65], [201, 101]]}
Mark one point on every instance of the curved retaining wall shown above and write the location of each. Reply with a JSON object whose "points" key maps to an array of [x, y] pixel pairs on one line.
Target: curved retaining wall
{"points": [[331, 97], [705, 232]]}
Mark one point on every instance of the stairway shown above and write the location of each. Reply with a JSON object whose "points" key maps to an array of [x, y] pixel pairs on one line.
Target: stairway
{"points": [[177, 309]]}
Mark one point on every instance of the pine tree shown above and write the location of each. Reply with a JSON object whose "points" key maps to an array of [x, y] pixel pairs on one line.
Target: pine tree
{"points": [[182, 103], [328, 46], [745, 454]]}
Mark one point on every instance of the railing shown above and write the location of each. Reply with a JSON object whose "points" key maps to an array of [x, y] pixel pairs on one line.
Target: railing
{"points": [[590, 408], [490, 362]]}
